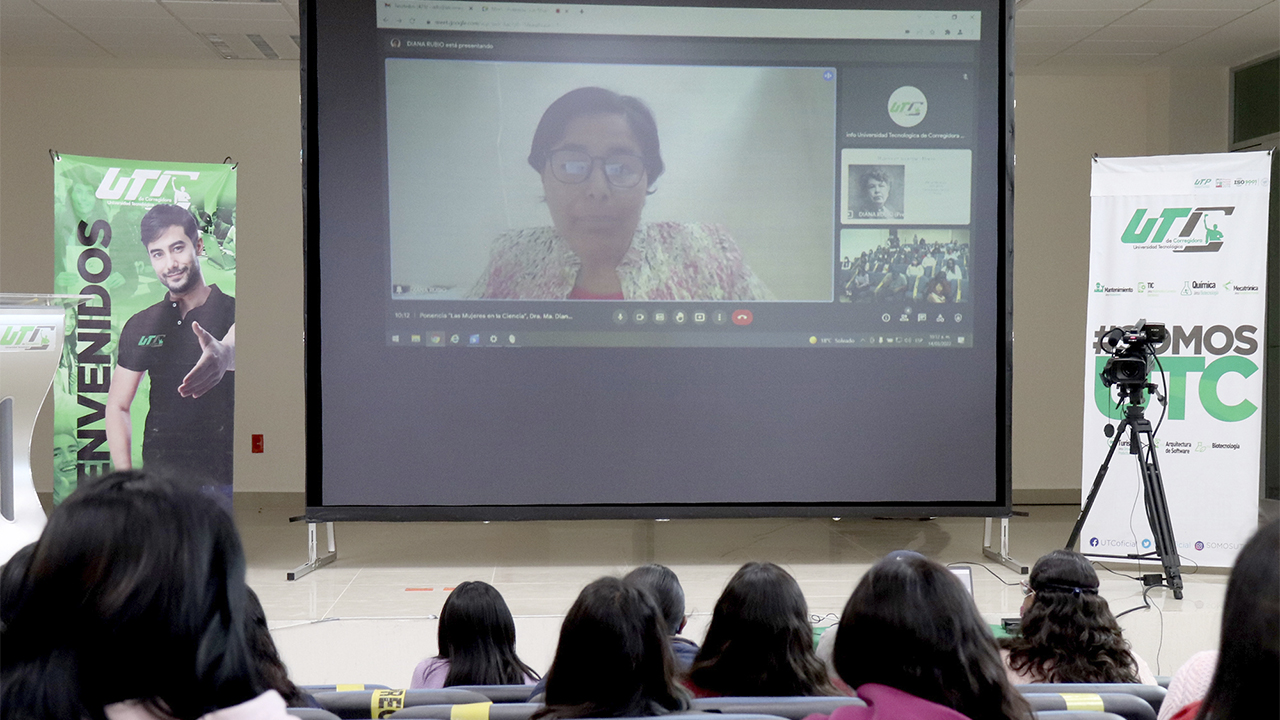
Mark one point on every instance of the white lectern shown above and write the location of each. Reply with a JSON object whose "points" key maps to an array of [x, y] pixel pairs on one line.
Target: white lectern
{"points": [[32, 328]]}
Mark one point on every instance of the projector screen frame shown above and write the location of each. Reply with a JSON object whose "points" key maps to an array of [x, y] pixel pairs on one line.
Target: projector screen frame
{"points": [[318, 511]]}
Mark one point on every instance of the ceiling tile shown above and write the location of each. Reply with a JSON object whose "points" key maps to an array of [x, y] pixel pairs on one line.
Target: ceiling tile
{"points": [[1022, 61], [242, 11], [1097, 18], [1061, 33], [1095, 61], [1116, 47], [1187, 18], [1040, 48], [162, 52], [1083, 4], [242, 27], [1203, 4], [128, 25], [1249, 37], [1170, 34], [104, 9], [34, 24], [21, 8]]}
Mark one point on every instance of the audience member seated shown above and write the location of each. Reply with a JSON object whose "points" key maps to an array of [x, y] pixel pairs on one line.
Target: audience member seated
{"points": [[613, 659], [760, 642], [134, 607], [476, 639], [1068, 632], [664, 586], [1245, 667], [912, 643], [274, 674]]}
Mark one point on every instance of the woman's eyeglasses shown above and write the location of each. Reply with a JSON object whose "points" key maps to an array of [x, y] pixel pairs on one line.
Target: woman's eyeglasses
{"points": [[572, 167]]}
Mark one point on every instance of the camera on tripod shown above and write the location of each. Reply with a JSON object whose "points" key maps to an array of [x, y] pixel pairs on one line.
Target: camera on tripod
{"points": [[1132, 353]]}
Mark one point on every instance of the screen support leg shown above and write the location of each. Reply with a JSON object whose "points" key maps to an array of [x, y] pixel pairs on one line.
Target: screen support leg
{"points": [[1002, 556], [315, 561]]}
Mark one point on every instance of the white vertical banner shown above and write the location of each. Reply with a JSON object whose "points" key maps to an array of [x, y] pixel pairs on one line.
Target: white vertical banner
{"points": [[1181, 240]]}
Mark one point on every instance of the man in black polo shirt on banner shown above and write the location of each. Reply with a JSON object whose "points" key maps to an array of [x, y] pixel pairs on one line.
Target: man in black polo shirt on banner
{"points": [[187, 343]]}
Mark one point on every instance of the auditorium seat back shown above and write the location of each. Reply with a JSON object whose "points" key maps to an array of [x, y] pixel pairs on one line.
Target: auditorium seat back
{"points": [[1129, 707], [792, 708], [1153, 694], [499, 693], [381, 703], [471, 711]]}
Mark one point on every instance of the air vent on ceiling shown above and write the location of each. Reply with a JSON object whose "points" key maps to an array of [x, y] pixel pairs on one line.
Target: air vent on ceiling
{"points": [[264, 47], [220, 45]]}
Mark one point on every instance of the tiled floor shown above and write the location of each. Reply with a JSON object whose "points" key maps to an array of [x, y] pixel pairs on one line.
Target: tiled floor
{"points": [[370, 617]]}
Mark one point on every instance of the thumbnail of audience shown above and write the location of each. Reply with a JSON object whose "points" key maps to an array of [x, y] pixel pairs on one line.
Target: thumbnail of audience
{"points": [[613, 658], [133, 605], [911, 642], [1239, 679], [661, 583], [597, 247], [1068, 632], [759, 641], [476, 641], [900, 272]]}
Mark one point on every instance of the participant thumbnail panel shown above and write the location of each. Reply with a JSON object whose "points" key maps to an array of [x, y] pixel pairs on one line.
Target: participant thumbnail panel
{"points": [[904, 265], [906, 186]]}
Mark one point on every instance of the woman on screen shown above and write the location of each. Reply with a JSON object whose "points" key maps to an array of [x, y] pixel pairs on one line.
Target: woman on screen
{"points": [[598, 155]]}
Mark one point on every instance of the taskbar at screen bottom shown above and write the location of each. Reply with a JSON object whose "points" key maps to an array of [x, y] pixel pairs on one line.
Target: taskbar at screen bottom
{"points": [[495, 338]]}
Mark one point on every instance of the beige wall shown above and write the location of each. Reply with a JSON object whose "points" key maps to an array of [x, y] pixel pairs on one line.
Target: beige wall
{"points": [[250, 112], [247, 111]]}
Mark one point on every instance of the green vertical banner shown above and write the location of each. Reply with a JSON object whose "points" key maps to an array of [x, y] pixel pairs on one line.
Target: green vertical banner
{"points": [[148, 380]]}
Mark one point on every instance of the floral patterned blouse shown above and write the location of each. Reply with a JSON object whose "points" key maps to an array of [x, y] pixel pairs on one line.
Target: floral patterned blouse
{"points": [[666, 261]]}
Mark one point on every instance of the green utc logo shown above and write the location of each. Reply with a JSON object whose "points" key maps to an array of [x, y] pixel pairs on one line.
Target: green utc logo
{"points": [[1142, 229]]}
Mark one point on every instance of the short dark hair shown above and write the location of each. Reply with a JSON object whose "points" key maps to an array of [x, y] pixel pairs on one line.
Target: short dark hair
{"points": [[477, 635], [1249, 652], [129, 557], [665, 587], [597, 101], [614, 657], [760, 641], [162, 217], [911, 625], [875, 173]]}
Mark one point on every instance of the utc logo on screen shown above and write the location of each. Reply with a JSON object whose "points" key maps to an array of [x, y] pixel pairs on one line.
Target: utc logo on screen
{"points": [[907, 106]]}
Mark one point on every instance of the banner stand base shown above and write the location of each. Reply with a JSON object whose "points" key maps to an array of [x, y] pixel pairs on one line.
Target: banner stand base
{"points": [[1001, 556], [315, 561]]}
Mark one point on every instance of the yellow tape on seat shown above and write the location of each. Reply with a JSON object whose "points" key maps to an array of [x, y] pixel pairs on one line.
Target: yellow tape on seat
{"points": [[384, 702], [1082, 701], [350, 686], [470, 711]]}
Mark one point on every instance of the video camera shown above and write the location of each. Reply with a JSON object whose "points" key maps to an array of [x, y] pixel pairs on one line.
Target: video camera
{"points": [[1132, 353]]}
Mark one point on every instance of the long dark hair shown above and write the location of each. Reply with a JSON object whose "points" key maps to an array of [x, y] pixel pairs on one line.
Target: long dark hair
{"points": [[911, 625], [274, 674], [478, 637], [1244, 682], [760, 641], [1068, 631], [135, 591], [664, 586], [613, 658]]}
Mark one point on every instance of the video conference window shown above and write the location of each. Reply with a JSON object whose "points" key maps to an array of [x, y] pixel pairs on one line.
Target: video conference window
{"points": [[740, 208], [924, 266]]}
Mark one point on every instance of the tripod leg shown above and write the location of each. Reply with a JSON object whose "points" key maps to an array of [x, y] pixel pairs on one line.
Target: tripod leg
{"points": [[1097, 485], [1158, 511]]}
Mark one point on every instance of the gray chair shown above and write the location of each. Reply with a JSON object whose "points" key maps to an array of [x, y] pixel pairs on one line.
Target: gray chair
{"points": [[792, 708], [313, 689], [311, 714], [491, 711], [500, 693], [1075, 715], [1153, 694], [1129, 707], [381, 703]]}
